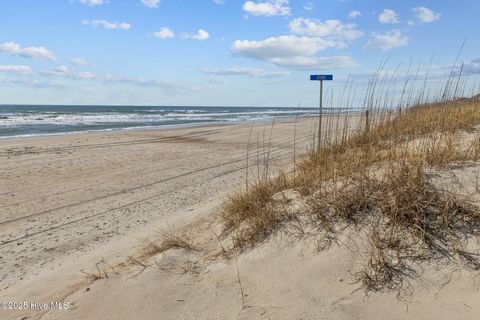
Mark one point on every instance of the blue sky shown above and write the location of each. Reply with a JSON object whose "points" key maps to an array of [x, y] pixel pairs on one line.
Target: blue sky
{"points": [[219, 52]]}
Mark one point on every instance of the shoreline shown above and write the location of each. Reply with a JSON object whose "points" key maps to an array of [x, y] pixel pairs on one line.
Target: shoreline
{"points": [[174, 126], [70, 201], [150, 128]]}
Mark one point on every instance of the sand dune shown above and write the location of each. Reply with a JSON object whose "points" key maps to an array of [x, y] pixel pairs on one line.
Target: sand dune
{"points": [[75, 210]]}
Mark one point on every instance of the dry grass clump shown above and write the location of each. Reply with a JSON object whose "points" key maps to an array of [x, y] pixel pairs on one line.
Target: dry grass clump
{"points": [[250, 216], [168, 240], [426, 119], [376, 179], [408, 218]]}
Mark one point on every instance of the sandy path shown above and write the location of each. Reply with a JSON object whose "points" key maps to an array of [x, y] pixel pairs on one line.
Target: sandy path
{"points": [[68, 200]]}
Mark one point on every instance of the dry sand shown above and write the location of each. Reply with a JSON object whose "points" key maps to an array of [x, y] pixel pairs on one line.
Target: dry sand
{"points": [[69, 202], [280, 279]]}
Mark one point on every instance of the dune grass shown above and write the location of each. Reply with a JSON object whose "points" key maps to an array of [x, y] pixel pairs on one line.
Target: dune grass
{"points": [[377, 178], [168, 240]]}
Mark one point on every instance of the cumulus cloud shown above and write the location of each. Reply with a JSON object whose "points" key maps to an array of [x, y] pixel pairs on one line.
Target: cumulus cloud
{"points": [[253, 72], [79, 62], [150, 3], [332, 29], [388, 16], [292, 52], [426, 15], [164, 33], [387, 41], [92, 2], [17, 69], [281, 47], [201, 35], [354, 14], [267, 8], [107, 25], [15, 49]]}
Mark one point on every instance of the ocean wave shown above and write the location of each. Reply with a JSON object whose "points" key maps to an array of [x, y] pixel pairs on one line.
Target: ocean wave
{"points": [[58, 120]]}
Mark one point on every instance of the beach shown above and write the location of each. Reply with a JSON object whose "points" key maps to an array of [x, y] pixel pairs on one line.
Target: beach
{"points": [[69, 201], [239, 160], [131, 225]]}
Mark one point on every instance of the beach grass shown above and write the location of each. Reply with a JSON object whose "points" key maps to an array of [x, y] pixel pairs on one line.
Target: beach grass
{"points": [[377, 178]]}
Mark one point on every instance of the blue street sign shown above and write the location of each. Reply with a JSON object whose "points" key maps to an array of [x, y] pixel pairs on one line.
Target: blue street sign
{"points": [[319, 77]]}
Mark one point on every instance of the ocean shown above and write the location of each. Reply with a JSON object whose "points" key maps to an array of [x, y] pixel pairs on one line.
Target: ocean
{"points": [[32, 120]]}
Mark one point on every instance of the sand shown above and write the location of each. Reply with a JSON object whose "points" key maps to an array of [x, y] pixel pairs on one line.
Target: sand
{"points": [[71, 203], [282, 278]]}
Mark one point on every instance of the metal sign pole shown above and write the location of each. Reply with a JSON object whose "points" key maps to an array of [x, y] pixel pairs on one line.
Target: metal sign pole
{"points": [[320, 116], [321, 78]]}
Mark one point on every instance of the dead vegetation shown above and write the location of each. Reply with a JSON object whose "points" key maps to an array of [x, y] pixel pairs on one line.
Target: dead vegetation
{"points": [[378, 179], [168, 240], [372, 172], [103, 271]]}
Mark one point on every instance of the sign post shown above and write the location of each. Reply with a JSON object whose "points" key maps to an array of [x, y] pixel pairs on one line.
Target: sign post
{"points": [[321, 78]]}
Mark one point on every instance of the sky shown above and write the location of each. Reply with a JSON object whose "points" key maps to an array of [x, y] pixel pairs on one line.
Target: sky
{"points": [[222, 52]]}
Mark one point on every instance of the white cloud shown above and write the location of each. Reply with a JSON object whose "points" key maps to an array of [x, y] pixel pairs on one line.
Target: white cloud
{"points": [[219, 2], [319, 63], [15, 49], [164, 33], [92, 2], [292, 52], [432, 72], [232, 71], [281, 47], [175, 87], [354, 14], [472, 67], [333, 29], [267, 8], [82, 75], [387, 41], [426, 15], [18, 69], [63, 71], [150, 3], [28, 81], [201, 35], [388, 16], [107, 25], [309, 6], [216, 80], [253, 72], [79, 62], [274, 74]]}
